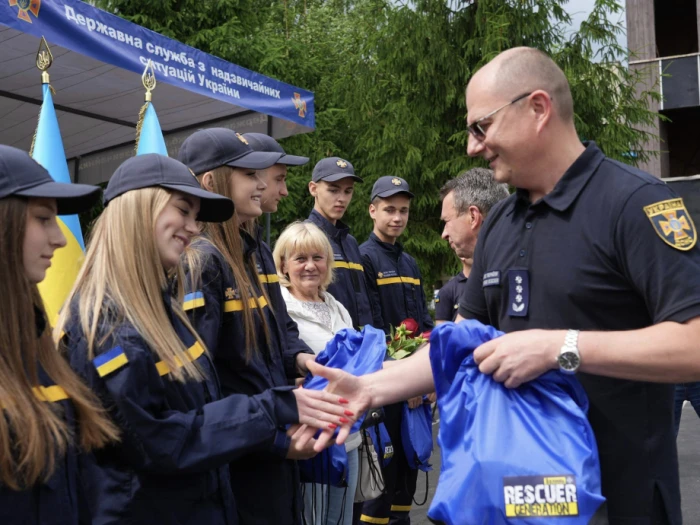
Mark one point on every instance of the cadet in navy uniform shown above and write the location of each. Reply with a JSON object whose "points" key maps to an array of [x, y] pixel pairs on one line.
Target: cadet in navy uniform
{"points": [[396, 293], [230, 310], [466, 200], [586, 243], [127, 334], [295, 351], [49, 415], [331, 187]]}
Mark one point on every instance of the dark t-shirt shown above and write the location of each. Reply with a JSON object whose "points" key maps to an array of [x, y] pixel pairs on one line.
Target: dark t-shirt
{"points": [[610, 248], [447, 301]]}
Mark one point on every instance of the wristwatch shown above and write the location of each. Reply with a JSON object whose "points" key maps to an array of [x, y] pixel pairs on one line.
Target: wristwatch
{"points": [[569, 358]]}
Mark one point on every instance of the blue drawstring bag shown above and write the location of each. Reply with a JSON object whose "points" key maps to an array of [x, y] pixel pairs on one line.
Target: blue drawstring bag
{"points": [[524, 456], [417, 436], [382, 443], [357, 353]]}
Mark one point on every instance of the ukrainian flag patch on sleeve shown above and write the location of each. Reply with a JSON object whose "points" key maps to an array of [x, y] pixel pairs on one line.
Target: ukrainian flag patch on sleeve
{"points": [[193, 300], [110, 361]]}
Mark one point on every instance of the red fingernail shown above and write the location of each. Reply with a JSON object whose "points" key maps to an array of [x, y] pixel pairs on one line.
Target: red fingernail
{"points": [[343, 401], [343, 420], [349, 413], [332, 426]]}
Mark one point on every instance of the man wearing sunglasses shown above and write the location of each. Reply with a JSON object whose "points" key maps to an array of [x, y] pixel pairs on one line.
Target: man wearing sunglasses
{"points": [[590, 267]]}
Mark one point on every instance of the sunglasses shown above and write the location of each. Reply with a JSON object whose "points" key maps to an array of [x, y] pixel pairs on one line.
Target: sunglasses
{"points": [[475, 127]]}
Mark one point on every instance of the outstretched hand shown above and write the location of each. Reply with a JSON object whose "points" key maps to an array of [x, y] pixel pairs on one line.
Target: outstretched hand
{"points": [[326, 411], [303, 442], [349, 388]]}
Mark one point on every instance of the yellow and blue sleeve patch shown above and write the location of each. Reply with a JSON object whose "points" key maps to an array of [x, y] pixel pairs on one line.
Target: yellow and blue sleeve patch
{"points": [[268, 278], [50, 394], [110, 361], [193, 300], [398, 280], [191, 354], [236, 305]]}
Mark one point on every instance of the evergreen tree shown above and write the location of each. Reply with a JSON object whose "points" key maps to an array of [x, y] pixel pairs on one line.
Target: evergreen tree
{"points": [[389, 81]]}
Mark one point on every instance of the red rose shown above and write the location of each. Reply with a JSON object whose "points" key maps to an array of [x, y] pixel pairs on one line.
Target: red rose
{"points": [[426, 335], [411, 326]]}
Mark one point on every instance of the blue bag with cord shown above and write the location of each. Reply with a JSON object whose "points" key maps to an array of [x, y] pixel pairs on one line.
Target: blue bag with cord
{"points": [[524, 456], [417, 436], [357, 353]]}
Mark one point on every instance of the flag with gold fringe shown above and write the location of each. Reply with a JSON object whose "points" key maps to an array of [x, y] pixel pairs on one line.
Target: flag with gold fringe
{"points": [[149, 136], [47, 150]]}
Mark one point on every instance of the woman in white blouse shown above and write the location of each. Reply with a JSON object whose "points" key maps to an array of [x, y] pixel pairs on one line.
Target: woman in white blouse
{"points": [[303, 257]]}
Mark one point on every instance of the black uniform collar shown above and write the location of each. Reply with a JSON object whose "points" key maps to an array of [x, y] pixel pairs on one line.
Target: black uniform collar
{"points": [[40, 322], [394, 250], [334, 230], [571, 184], [249, 242]]}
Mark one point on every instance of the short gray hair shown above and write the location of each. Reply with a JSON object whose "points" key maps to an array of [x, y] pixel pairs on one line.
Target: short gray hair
{"points": [[475, 187]]}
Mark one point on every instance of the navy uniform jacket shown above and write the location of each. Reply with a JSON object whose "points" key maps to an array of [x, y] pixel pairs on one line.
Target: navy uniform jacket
{"points": [[394, 285], [289, 332], [177, 438], [59, 500], [597, 253], [348, 286], [265, 485], [447, 301]]}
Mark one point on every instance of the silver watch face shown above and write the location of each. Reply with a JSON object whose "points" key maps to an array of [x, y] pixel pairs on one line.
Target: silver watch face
{"points": [[569, 361]]}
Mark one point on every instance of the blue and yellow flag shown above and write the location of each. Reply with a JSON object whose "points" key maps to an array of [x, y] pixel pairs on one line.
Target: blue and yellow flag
{"points": [[150, 137], [48, 151]]}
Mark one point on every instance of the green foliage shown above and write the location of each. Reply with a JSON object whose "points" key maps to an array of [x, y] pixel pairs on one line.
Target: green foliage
{"points": [[389, 82]]}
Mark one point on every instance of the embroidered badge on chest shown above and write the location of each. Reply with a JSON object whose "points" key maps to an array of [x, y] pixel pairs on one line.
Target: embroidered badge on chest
{"points": [[518, 292], [672, 223]]}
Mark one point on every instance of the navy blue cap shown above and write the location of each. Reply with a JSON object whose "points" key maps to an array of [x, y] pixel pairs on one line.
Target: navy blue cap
{"points": [[152, 169], [389, 185], [262, 142], [332, 169], [208, 149], [22, 175]]}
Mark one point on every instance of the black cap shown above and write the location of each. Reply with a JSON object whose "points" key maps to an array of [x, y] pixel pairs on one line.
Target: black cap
{"points": [[389, 185], [262, 142], [208, 149], [22, 175], [333, 169], [152, 169]]}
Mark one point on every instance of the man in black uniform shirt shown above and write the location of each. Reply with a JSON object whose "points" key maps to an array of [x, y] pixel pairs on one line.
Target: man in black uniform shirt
{"points": [[466, 200], [588, 244]]}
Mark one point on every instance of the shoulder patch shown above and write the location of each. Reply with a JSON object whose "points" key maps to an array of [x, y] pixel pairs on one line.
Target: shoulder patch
{"points": [[672, 222], [110, 361]]}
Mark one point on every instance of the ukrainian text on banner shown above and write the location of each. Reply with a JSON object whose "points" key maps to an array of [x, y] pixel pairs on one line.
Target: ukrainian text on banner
{"points": [[94, 33]]}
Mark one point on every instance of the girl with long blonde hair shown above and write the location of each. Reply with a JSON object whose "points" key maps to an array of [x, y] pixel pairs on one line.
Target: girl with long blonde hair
{"points": [[231, 311], [49, 415], [127, 334]]}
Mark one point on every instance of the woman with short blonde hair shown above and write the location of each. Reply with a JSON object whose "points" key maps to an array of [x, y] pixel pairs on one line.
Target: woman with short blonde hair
{"points": [[302, 237], [304, 261]]}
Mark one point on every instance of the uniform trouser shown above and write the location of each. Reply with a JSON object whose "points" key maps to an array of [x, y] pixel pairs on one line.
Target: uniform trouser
{"points": [[686, 392], [394, 505]]}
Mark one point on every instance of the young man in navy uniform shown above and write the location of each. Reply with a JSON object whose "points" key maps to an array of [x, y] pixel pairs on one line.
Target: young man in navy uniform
{"points": [[466, 200], [332, 186], [296, 352], [591, 267], [396, 293]]}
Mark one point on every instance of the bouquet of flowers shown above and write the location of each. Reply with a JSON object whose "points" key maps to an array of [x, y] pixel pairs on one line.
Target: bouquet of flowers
{"points": [[405, 339]]}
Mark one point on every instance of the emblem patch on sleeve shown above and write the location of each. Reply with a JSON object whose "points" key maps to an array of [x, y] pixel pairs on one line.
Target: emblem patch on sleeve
{"points": [[673, 223]]}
